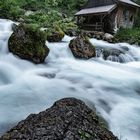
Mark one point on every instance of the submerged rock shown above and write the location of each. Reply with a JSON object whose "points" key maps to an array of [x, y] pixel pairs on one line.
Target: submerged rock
{"points": [[28, 43], [67, 119], [82, 48], [111, 54]]}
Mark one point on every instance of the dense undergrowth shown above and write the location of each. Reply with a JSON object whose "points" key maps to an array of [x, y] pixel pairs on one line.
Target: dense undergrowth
{"points": [[43, 13], [131, 36]]}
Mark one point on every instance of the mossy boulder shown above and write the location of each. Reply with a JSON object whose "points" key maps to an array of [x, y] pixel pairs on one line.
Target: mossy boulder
{"points": [[67, 119], [82, 48], [28, 42], [55, 34]]}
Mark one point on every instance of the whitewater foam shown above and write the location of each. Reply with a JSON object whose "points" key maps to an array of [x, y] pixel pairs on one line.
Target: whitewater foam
{"points": [[113, 88]]}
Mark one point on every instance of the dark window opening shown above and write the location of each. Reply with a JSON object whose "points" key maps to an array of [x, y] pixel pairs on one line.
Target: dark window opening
{"points": [[131, 18]]}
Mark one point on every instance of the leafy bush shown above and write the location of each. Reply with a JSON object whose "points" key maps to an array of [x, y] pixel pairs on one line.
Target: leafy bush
{"points": [[46, 13], [10, 9], [131, 36], [66, 24]]}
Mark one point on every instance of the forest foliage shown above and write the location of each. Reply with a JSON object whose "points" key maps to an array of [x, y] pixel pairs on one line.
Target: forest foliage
{"points": [[43, 13], [47, 13]]}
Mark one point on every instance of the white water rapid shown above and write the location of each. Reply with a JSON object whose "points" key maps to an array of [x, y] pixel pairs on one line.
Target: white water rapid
{"points": [[114, 88]]}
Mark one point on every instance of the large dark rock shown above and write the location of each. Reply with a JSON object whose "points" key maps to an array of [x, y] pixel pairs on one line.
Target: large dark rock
{"points": [[28, 43], [82, 48], [67, 119]]}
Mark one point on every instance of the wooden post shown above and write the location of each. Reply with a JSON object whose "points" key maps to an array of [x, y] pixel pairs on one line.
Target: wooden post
{"points": [[102, 17]]}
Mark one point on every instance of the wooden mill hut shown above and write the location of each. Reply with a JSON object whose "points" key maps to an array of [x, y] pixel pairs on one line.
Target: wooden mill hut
{"points": [[107, 15]]}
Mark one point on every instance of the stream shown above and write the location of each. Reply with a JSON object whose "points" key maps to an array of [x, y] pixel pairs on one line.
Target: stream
{"points": [[112, 87]]}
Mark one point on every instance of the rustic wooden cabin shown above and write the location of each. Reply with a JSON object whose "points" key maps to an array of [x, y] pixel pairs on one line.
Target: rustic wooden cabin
{"points": [[107, 15]]}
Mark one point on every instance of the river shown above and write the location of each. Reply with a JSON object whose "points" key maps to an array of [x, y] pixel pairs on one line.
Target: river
{"points": [[112, 87]]}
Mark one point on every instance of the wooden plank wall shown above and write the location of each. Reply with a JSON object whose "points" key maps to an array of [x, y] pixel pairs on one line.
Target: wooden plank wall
{"points": [[121, 21]]}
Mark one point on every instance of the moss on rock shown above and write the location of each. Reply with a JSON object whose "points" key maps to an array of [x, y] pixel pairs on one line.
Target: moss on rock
{"points": [[28, 42]]}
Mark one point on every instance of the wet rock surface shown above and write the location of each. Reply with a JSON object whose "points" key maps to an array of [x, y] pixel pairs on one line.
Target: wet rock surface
{"points": [[109, 52], [82, 48], [67, 119], [28, 43]]}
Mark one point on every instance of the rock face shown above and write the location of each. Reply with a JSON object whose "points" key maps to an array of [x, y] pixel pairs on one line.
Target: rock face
{"points": [[67, 119], [82, 48], [28, 43]]}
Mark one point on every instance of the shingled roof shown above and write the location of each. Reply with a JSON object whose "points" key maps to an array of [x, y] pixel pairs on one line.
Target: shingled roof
{"points": [[129, 2], [97, 10], [103, 6]]}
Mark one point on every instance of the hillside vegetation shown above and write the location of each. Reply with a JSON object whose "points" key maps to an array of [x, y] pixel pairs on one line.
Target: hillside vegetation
{"points": [[56, 14], [42, 13]]}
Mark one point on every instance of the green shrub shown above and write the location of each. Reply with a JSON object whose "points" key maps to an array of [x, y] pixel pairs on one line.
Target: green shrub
{"points": [[10, 9], [131, 36]]}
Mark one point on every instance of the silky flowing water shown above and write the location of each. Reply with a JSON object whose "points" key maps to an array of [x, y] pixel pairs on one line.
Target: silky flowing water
{"points": [[112, 87]]}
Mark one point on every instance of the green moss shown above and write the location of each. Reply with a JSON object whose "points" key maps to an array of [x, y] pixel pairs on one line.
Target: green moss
{"points": [[86, 39], [84, 135], [46, 12]]}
